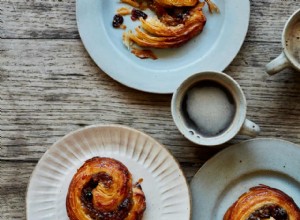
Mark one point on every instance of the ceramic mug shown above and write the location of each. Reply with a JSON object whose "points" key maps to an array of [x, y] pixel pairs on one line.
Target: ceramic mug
{"points": [[209, 108], [290, 57]]}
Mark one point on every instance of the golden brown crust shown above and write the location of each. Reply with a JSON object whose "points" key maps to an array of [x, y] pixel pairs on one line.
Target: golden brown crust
{"points": [[133, 3], [156, 34], [258, 197], [123, 11], [177, 3], [101, 189], [139, 203], [144, 54], [212, 7]]}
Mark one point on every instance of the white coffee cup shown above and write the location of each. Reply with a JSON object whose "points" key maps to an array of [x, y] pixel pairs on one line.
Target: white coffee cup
{"points": [[290, 57], [221, 99]]}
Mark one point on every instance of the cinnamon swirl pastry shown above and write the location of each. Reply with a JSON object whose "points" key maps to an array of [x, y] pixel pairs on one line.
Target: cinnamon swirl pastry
{"points": [[102, 189], [262, 203]]}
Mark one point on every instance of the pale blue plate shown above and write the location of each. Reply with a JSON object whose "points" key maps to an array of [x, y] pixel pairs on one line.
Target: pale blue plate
{"points": [[213, 49]]}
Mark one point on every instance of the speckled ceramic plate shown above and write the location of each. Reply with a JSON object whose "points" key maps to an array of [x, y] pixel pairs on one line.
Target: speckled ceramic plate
{"points": [[222, 179], [213, 49], [164, 184]]}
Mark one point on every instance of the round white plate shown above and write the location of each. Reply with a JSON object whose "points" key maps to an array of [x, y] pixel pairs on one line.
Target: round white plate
{"points": [[213, 49], [222, 179], [164, 184]]}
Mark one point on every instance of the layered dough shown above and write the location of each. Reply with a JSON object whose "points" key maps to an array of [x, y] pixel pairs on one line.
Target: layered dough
{"points": [[177, 3], [102, 189], [166, 31], [262, 203]]}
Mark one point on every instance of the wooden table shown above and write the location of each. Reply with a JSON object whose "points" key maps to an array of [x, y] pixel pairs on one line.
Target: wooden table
{"points": [[50, 86]]}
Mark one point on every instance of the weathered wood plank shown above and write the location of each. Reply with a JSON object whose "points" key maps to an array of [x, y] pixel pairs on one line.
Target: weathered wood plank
{"points": [[268, 18], [50, 88], [38, 19], [57, 19], [13, 185]]}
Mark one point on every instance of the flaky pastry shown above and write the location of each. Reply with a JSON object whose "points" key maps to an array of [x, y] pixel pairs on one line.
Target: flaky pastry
{"points": [[102, 189], [156, 34], [177, 3], [262, 203]]}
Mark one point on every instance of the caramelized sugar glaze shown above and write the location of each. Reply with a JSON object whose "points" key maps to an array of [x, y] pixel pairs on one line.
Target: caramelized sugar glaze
{"points": [[263, 202], [102, 189]]}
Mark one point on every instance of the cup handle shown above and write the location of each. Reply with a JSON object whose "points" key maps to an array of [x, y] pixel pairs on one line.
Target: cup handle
{"points": [[249, 128], [278, 64]]}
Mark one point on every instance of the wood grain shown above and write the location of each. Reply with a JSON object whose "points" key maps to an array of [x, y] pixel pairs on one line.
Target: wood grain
{"points": [[50, 86], [45, 97], [38, 19], [57, 19], [13, 184]]}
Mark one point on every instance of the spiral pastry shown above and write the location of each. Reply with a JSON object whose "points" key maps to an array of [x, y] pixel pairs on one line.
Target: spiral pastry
{"points": [[102, 189], [262, 203]]}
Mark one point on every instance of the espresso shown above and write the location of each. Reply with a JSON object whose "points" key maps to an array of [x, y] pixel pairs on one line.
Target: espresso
{"points": [[209, 108], [293, 41]]}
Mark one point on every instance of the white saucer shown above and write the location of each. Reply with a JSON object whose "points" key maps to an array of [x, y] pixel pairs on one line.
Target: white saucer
{"points": [[165, 187], [230, 173]]}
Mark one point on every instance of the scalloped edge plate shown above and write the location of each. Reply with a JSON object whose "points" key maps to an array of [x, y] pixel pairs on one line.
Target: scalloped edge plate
{"points": [[213, 49], [165, 186], [231, 172]]}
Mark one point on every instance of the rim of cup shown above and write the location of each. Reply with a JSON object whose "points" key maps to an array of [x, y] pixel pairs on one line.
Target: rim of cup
{"points": [[237, 94], [288, 24]]}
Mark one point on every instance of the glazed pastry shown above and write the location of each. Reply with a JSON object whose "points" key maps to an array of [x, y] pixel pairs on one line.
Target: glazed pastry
{"points": [[177, 3], [166, 31], [133, 3], [139, 203], [262, 203], [102, 189]]}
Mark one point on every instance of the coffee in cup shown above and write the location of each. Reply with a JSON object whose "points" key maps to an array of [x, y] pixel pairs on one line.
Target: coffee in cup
{"points": [[209, 108]]}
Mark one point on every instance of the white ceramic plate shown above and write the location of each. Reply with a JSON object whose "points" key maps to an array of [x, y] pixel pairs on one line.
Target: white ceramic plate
{"points": [[219, 183], [164, 184], [213, 49]]}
